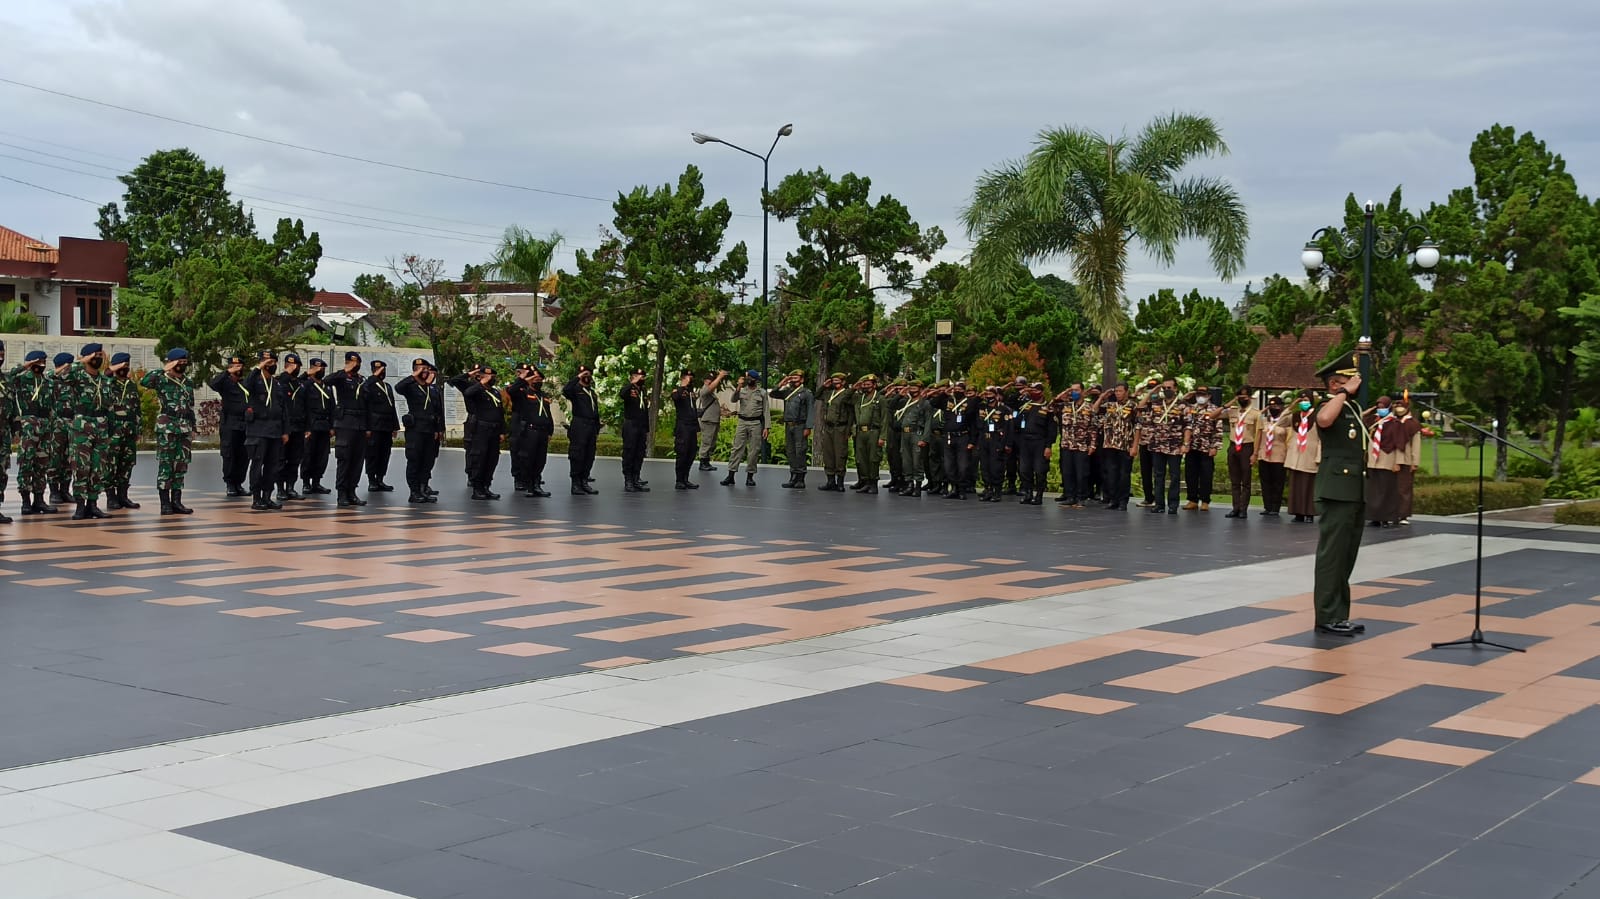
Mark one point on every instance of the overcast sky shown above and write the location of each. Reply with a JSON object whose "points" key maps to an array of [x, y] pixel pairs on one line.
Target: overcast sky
{"points": [[1316, 100]]}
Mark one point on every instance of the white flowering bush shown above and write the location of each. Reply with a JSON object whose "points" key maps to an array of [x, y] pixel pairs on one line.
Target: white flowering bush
{"points": [[611, 374]]}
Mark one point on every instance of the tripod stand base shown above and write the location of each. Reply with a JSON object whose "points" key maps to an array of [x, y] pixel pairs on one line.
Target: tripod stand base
{"points": [[1477, 640]]}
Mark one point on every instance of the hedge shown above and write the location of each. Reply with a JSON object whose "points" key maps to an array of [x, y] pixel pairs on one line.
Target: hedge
{"points": [[1459, 498], [1579, 513]]}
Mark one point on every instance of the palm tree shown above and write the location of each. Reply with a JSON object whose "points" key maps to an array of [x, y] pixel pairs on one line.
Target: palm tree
{"points": [[525, 258], [1085, 197], [14, 321]]}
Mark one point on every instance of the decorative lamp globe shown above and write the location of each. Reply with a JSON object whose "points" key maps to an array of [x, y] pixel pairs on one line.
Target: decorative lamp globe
{"points": [[1311, 257]]}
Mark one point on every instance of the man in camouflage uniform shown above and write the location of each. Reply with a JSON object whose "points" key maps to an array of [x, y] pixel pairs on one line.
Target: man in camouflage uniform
{"points": [[87, 392], [1167, 425], [1205, 439], [174, 428], [869, 412], [1077, 430], [8, 414], [1119, 444], [33, 395], [122, 443], [60, 444]]}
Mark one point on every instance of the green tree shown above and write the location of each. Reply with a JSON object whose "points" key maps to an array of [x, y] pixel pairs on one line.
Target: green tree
{"points": [[1004, 362], [524, 258], [1087, 197], [662, 268], [826, 304], [459, 329], [14, 321], [1284, 307], [1195, 336], [1521, 241], [240, 295], [174, 206]]}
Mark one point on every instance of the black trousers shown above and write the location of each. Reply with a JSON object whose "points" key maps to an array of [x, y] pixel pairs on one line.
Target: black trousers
{"points": [[483, 459], [531, 453], [379, 446], [315, 462], [1013, 461], [1033, 469], [891, 451], [1202, 473], [958, 462], [293, 452], [235, 459], [581, 434], [1074, 475], [265, 456], [993, 453], [1116, 472], [1273, 476], [1146, 473], [422, 451], [514, 445], [1239, 475], [349, 454], [1095, 488], [633, 440], [1166, 476], [684, 445]]}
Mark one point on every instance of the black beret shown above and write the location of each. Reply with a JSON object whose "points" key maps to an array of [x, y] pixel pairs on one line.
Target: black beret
{"points": [[352, 356], [121, 359]]}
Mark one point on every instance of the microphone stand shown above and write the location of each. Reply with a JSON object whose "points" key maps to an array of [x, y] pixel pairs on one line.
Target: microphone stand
{"points": [[1476, 638]]}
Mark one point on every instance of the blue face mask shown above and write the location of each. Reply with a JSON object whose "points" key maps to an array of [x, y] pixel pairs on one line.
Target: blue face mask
{"points": [[1075, 395], [1305, 405], [1383, 413]]}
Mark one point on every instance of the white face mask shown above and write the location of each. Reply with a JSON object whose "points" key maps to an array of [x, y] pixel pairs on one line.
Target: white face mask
{"points": [[1201, 400]]}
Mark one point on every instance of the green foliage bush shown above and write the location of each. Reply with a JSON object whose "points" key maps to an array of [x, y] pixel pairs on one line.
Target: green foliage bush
{"points": [[1580, 473], [1461, 497], [1579, 513]]}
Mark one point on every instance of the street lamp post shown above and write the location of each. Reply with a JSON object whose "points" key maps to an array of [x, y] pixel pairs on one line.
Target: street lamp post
{"points": [[766, 182], [1372, 241]]}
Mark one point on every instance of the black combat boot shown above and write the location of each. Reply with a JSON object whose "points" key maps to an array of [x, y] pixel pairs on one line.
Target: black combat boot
{"points": [[177, 502], [871, 488], [705, 465], [166, 500], [4, 518], [750, 480], [122, 495], [828, 487], [94, 509], [793, 480], [113, 502], [81, 512], [258, 502]]}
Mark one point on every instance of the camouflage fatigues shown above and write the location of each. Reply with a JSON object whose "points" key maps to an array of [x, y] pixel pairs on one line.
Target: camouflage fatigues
{"points": [[59, 446], [174, 427], [125, 424], [87, 398], [34, 397], [8, 415]]}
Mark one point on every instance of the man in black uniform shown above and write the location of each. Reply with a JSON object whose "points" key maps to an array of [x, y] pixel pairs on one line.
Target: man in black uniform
{"points": [[266, 416], [350, 428], [960, 440], [229, 385], [1036, 430], [316, 399], [537, 425], [383, 424], [894, 400], [424, 426], [292, 380], [583, 427], [635, 431], [685, 430], [514, 389], [487, 423], [994, 442], [938, 398]]}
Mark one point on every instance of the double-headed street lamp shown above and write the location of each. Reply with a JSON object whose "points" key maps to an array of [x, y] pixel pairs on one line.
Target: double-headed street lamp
{"points": [[783, 132], [1371, 242]]}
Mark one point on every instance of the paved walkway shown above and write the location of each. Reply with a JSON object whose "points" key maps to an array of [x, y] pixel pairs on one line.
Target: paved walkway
{"points": [[1112, 713]]}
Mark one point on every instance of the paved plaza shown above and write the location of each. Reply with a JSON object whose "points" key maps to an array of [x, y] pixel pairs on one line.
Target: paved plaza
{"points": [[756, 692]]}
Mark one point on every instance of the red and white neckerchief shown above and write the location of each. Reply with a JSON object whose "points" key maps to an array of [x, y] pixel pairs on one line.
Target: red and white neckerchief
{"points": [[1301, 431], [1272, 433], [1238, 432], [1377, 438]]}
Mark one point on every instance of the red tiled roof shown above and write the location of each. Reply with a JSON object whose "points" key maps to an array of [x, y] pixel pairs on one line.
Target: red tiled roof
{"points": [[18, 247], [1284, 362], [328, 300]]}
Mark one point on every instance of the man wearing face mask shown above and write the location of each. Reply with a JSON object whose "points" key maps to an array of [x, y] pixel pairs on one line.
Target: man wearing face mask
{"points": [[1387, 440], [915, 421], [318, 410], [174, 428], [1119, 445], [424, 425], [798, 411], [122, 445], [229, 385], [685, 430], [383, 425], [350, 429], [1302, 456], [60, 462], [1272, 450], [88, 394], [293, 381], [583, 429], [1410, 457], [1341, 486], [635, 431], [1200, 450], [1077, 439], [266, 423], [33, 397], [960, 441], [485, 408], [1240, 422], [754, 410], [834, 421], [1168, 428], [869, 412], [1036, 431]]}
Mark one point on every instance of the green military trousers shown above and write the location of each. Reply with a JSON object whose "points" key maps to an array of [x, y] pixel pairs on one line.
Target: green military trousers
{"points": [[1338, 542]]}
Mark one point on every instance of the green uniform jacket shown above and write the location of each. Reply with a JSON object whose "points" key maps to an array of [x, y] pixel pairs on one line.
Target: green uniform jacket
{"points": [[1342, 474], [917, 418], [869, 410], [834, 407]]}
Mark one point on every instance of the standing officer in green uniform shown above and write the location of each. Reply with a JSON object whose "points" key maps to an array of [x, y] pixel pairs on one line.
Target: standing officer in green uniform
{"points": [[869, 411], [60, 459], [798, 403], [938, 400], [87, 393], [8, 414], [834, 423], [32, 394], [893, 401], [915, 423], [1341, 482], [126, 422], [174, 428]]}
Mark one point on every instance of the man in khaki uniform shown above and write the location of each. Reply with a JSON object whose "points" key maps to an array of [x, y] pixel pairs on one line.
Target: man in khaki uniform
{"points": [[1240, 422], [750, 404], [869, 411], [710, 417], [834, 422], [1272, 449]]}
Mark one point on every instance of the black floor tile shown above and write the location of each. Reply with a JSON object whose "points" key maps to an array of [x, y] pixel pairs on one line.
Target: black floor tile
{"points": [[887, 843], [714, 846], [1275, 881], [627, 872], [530, 849], [818, 869], [915, 884], [733, 883], [1108, 883], [998, 866]]}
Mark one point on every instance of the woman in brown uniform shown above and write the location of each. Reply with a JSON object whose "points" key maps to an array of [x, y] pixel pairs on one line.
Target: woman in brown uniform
{"points": [[1383, 464], [1302, 452]]}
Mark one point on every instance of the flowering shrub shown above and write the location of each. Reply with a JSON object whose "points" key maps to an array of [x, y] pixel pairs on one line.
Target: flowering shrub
{"points": [[611, 374]]}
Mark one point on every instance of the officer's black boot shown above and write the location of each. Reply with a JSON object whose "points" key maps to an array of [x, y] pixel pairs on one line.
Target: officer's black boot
{"points": [[4, 518], [177, 503], [790, 483], [750, 480], [94, 509], [81, 512], [344, 498], [705, 465], [166, 500], [871, 487], [122, 495], [113, 502], [289, 491], [58, 494], [577, 487], [258, 502], [829, 485], [727, 481]]}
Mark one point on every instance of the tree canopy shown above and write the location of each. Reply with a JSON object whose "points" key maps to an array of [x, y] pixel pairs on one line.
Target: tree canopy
{"points": [[174, 206]]}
